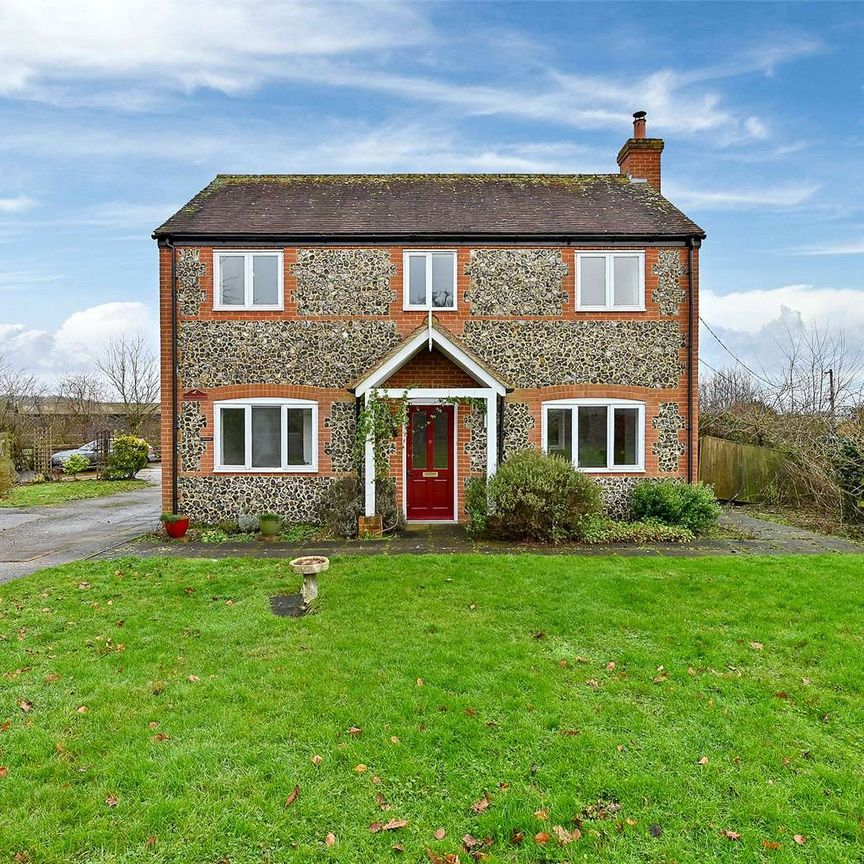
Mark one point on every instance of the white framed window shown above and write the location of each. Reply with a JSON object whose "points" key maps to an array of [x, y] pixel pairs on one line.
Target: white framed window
{"points": [[596, 435], [247, 279], [265, 435], [610, 280], [429, 280]]}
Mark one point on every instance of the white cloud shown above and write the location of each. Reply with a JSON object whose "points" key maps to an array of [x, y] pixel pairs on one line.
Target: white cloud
{"points": [[750, 311], [856, 247], [771, 197], [81, 336], [16, 205], [47, 46]]}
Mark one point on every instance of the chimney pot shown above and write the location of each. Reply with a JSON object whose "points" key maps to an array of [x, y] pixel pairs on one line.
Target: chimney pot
{"points": [[639, 124]]}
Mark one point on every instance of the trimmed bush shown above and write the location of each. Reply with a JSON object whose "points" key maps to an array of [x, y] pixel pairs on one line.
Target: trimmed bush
{"points": [[537, 497], [674, 503], [600, 529], [477, 505], [342, 503], [75, 464], [128, 456]]}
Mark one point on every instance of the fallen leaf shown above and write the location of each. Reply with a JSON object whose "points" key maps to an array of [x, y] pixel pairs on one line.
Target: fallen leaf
{"points": [[756, 646], [82, 709], [563, 836], [355, 731], [161, 736], [420, 682], [805, 682], [398, 847], [376, 781], [83, 586], [702, 761], [5, 726], [394, 739], [691, 670], [375, 827], [470, 842], [482, 804], [151, 840], [111, 800], [771, 844], [800, 839], [619, 748], [295, 794], [470, 712], [440, 834], [394, 825], [541, 837], [449, 858], [539, 635], [730, 835], [517, 838], [782, 694], [360, 768], [22, 857], [25, 705], [194, 678], [593, 682], [3, 771], [542, 815], [562, 664], [51, 677], [317, 760], [610, 666], [229, 602], [382, 801], [571, 732], [330, 839], [659, 679]]}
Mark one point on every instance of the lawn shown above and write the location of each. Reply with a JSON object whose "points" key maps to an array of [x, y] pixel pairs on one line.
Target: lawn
{"points": [[155, 710], [37, 494]]}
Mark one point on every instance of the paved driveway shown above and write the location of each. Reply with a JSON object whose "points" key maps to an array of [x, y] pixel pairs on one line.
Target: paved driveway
{"points": [[35, 537]]}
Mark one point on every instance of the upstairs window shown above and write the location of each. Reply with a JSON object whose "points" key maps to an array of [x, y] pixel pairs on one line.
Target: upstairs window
{"points": [[267, 435], [596, 435], [430, 280], [247, 280], [610, 281]]}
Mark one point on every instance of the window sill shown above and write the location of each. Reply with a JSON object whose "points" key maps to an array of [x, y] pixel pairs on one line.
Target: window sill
{"points": [[248, 308], [429, 308], [616, 470], [611, 309], [237, 469]]}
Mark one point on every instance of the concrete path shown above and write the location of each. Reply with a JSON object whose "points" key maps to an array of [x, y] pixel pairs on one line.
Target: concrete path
{"points": [[35, 537], [747, 536]]}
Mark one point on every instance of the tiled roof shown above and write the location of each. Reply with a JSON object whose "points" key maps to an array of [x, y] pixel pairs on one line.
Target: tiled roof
{"points": [[440, 205]]}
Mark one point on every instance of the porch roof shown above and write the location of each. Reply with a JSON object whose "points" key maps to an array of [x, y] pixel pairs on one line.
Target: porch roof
{"points": [[447, 344]]}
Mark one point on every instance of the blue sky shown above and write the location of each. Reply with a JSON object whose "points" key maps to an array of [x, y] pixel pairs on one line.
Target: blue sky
{"points": [[115, 114]]}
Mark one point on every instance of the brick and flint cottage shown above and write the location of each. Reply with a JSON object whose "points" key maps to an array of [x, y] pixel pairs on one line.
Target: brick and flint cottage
{"points": [[509, 310]]}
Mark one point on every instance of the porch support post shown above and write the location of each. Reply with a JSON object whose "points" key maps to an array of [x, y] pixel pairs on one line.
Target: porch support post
{"points": [[369, 471], [491, 433]]}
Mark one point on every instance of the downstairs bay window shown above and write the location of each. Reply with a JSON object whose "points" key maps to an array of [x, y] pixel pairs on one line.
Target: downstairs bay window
{"points": [[265, 435], [596, 435]]}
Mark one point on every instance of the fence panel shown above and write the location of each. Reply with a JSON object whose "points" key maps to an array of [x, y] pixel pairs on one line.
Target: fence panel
{"points": [[741, 472]]}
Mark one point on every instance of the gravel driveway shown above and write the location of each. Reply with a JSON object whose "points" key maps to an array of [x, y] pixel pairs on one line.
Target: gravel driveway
{"points": [[35, 537]]}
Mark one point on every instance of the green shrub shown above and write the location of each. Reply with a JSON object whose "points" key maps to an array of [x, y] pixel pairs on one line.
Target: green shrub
{"points": [[674, 503], [128, 456], [75, 464], [8, 477], [477, 505], [601, 529], [537, 497], [172, 517]]}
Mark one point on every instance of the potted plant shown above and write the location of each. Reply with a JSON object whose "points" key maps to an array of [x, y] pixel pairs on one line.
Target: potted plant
{"points": [[309, 566], [269, 524], [175, 524]]}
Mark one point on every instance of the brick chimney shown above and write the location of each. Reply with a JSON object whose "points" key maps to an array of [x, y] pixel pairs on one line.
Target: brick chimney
{"points": [[639, 158]]}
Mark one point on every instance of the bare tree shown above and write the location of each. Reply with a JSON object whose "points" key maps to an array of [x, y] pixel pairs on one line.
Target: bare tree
{"points": [[131, 371], [81, 394]]}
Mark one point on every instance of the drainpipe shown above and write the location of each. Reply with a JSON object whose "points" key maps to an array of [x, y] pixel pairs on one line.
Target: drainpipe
{"points": [[691, 318], [174, 401]]}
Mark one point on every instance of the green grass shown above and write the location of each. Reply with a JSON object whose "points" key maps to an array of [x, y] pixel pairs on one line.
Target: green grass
{"points": [[38, 494], [753, 663]]}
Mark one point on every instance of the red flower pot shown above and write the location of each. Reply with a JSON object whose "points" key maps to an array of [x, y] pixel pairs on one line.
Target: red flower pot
{"points": [[177, 529]]}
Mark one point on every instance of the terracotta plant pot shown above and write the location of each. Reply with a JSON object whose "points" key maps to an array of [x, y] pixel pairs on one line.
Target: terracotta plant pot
{"points": [[309, 566], [177, 529]]}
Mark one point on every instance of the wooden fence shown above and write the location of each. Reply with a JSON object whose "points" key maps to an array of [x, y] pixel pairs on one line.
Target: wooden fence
{"points": [[742, 472]]}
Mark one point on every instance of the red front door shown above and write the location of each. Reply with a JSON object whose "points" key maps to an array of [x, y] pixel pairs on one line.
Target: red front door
{"points": [[429, 463]]}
